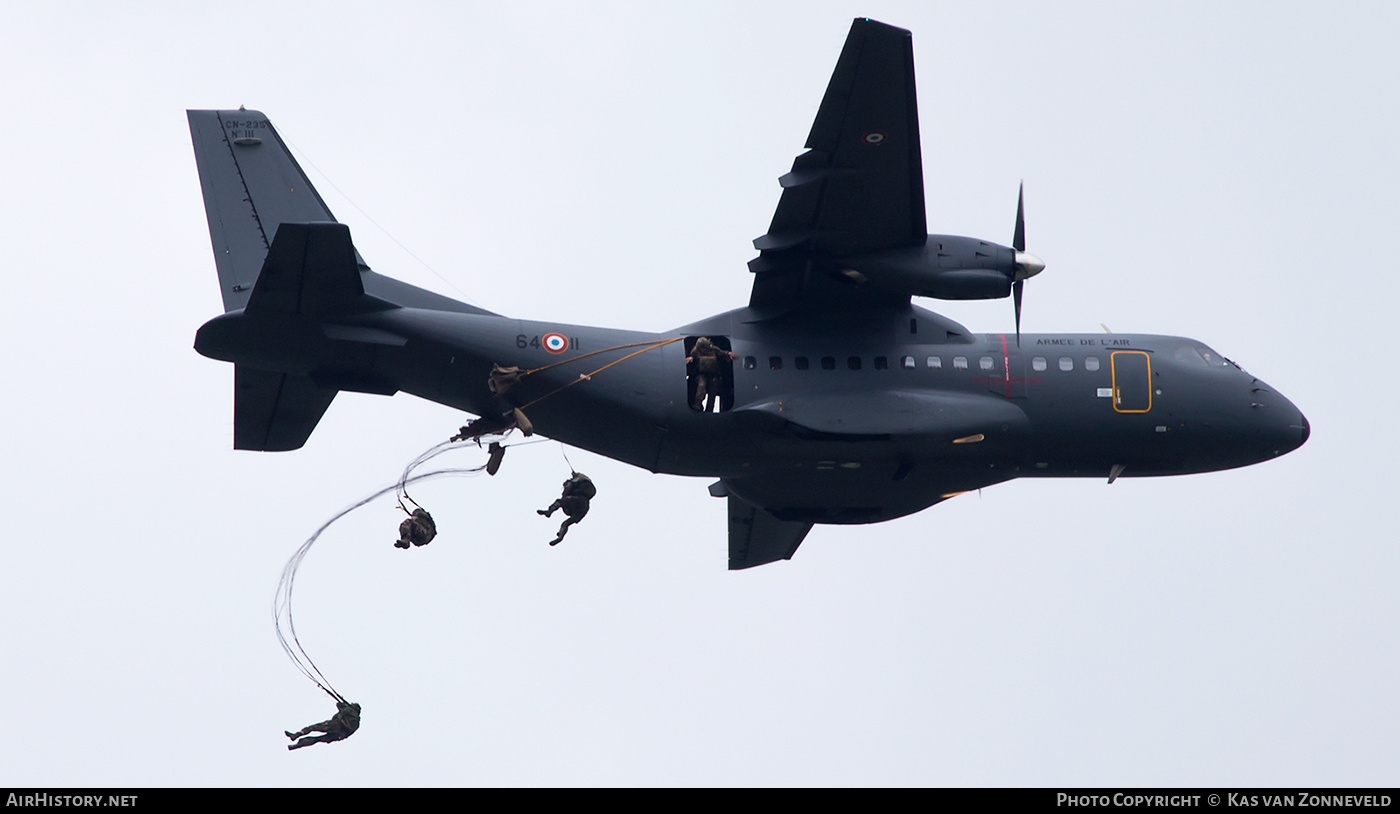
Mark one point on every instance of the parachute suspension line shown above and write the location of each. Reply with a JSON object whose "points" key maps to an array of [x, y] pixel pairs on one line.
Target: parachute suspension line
{"points": [[591, 374], [565, 453], [649, 345], [282, 617], [401, 492]]}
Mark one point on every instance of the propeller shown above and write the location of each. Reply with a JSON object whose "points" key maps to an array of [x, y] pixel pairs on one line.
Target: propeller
{"points": [[1027, 265]]}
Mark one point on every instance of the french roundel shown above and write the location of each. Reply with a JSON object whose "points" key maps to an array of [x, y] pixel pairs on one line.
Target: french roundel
{"points": [[555, 343]]}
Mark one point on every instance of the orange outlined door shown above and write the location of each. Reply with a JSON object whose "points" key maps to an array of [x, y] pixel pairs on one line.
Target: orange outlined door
{"points": [[1132, 381]]}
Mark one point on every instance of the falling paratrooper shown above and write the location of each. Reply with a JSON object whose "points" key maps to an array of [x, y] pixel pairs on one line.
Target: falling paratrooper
{"points": [[341, 725], [419, 528], [578, 491]]}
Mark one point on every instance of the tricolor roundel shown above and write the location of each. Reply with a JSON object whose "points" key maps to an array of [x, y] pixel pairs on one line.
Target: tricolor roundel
{"points": [[555, 343]]}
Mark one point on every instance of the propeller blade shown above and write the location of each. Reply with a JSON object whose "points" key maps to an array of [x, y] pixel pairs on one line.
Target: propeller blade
{"points": [[1016, 299], [1018, 242], [1027, 265]]}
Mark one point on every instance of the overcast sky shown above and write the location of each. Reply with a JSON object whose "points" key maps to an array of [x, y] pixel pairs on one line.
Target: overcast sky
{"points": [[1221, 171]]}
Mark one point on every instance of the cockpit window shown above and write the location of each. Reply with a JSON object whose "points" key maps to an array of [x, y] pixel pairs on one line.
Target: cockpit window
{"points": [[1200, 356]]}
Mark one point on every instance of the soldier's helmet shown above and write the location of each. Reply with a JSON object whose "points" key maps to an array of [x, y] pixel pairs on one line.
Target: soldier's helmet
{"points": [[702, 342]]}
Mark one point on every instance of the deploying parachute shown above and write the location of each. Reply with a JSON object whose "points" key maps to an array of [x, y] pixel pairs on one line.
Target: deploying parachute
{"points": [[419, 529], [346, 719]]}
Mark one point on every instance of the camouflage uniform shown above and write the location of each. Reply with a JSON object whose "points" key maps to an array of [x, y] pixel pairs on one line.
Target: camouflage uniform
{"points": [[504, 379], [418, 529], [578, 490], [341, 726], [708, 375]]}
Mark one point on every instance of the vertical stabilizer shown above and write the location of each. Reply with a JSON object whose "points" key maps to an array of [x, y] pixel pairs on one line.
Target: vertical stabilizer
{"points": [[251, 185]]}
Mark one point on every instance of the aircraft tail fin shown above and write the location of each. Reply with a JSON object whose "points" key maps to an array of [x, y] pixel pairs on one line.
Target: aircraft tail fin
{"points": [[310, 272], [251, 184]]}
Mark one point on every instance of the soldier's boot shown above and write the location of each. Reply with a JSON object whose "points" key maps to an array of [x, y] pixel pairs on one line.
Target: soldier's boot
{"points": [[493, 463], [699, 403]]}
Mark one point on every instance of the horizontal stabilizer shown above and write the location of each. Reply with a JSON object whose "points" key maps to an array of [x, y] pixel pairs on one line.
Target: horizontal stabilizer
{"points": [[757, 537], [275, 412], [309, 270]]}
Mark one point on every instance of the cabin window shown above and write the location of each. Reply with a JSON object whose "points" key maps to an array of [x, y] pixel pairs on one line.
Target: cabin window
{"points": [[935, 362], [775, 363], [881, 363], [1091, 363], [908, 362], [1038, 364], [853, 362], [800, 363], [960, 363], [1066, 363], [986, 363], [828, 363], [750, 363]]}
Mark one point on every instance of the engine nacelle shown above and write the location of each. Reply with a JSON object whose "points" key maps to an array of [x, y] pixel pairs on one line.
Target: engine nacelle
{"points": [[946, 267]]}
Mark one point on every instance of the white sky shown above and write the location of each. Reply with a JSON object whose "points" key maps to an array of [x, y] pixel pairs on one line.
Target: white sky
{"points": [[1220, 171]]}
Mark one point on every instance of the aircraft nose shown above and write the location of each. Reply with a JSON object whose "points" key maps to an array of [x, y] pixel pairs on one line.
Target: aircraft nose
{"points": [[1282, 425], [1294, 433]]}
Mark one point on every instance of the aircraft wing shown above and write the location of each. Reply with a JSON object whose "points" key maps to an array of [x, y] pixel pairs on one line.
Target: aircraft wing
{"points": [[859, 188]]}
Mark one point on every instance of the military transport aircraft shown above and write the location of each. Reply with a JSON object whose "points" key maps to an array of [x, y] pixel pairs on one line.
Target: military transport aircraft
{"points": [[841, 401]]}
